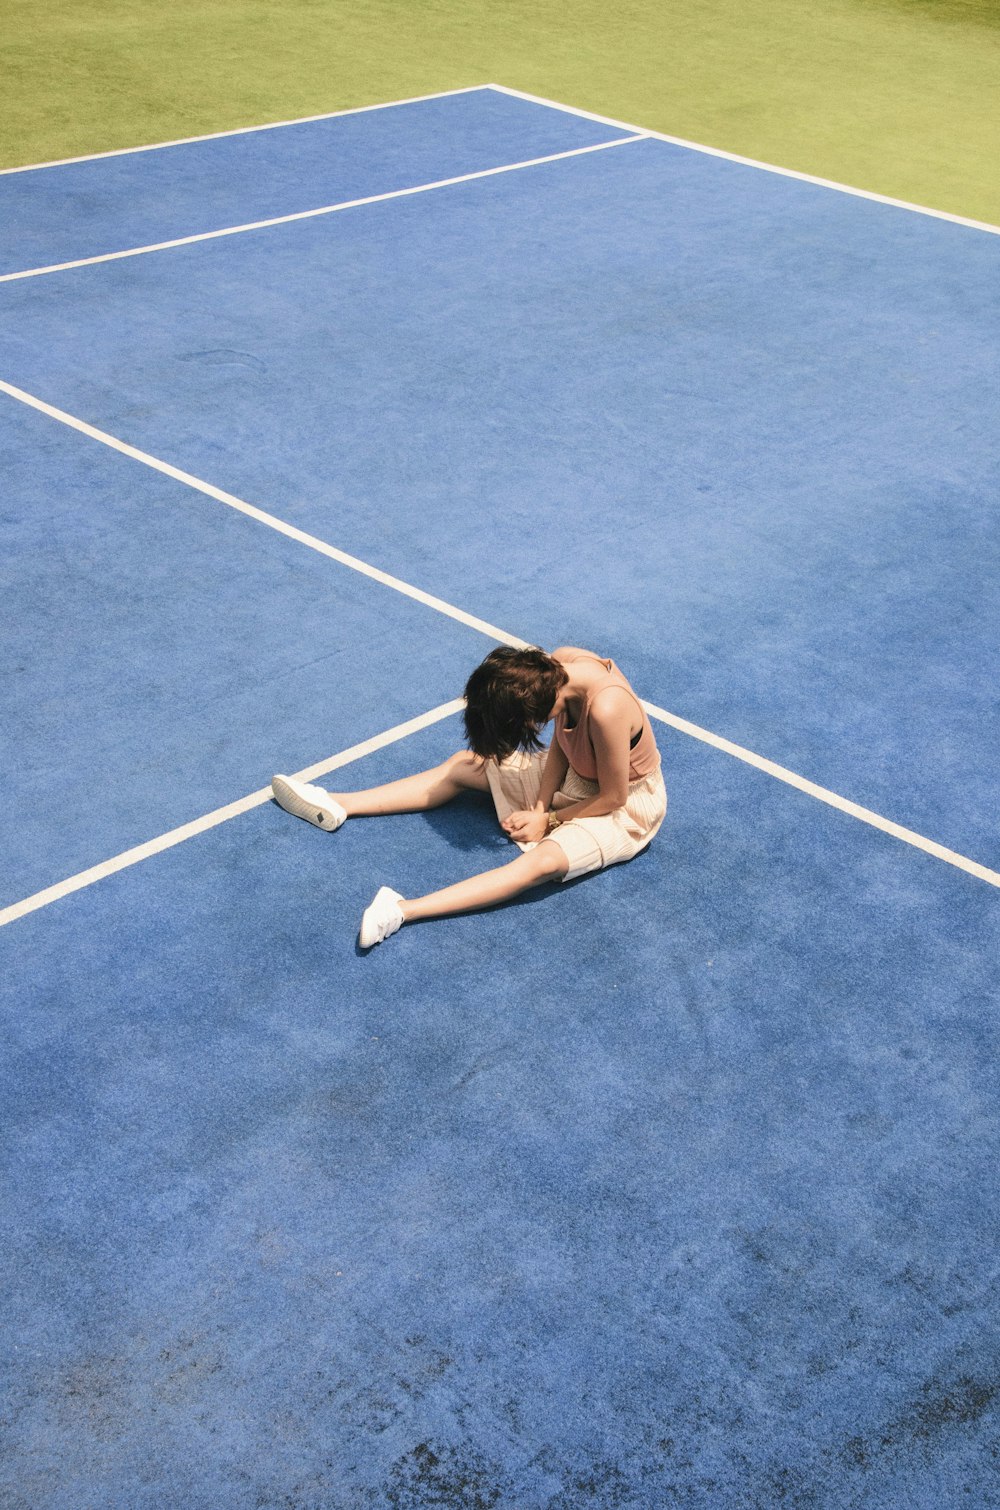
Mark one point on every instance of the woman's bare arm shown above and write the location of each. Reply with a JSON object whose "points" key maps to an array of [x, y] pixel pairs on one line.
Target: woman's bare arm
{"points": [[611, 714]]}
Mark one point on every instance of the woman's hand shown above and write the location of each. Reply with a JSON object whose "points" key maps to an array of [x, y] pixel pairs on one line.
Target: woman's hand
{"points": [[526, 826]]}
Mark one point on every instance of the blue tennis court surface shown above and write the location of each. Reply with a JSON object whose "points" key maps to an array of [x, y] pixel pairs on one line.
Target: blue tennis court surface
{"points": [[107, 204], [158, 661], [672, 1186]]}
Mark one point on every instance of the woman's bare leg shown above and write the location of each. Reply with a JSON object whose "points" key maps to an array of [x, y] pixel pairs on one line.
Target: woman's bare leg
{"points": [[543, 863], [413, 794]]}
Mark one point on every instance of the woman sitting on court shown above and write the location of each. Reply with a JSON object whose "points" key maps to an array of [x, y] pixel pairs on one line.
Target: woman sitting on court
{"points": [[593, 798]]}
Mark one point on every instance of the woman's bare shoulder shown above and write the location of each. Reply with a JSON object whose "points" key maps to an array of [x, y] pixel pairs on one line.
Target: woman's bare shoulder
{"points": [[571, 652], [613, 704]]}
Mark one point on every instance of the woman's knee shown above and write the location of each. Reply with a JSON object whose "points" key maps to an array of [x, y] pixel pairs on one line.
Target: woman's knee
{"points": [[550, 861], [467, 770]]}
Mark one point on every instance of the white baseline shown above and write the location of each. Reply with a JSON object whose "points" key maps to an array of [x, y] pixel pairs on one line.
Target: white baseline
{"points": [[327, 209], [683, 726]]}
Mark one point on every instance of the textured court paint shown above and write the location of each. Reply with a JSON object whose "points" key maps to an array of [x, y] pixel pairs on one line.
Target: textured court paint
{"points": [[769, 767], [330, 209], [260, 516], [223, 815], [156, 662], [101, 206], [782, 391], [402, 731], [534, 1207], [898, 98], [820, 794]]}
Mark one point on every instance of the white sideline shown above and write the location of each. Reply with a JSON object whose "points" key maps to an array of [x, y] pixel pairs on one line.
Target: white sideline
{"points": [[328, 209], [212, 136], [221, 815], [750, 162]]}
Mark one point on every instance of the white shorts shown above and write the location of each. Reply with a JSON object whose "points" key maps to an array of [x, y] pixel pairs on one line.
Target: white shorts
{"points": [[588, 843]]}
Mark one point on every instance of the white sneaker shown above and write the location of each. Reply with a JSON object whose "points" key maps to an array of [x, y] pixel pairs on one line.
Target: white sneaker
{"points": [[382, 918], [308, 802]]}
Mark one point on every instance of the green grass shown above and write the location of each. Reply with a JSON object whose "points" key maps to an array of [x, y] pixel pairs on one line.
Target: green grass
{"points": [[899, 96]]}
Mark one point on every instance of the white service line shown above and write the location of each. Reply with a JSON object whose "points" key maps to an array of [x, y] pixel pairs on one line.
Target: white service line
{"points": [[750, 162], [222, 814], [328, 209], [213, 136], [259, 515]]}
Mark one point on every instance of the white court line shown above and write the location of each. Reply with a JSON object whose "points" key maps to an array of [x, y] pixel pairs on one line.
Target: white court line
{"points": [[328, 209], [175, 836], [535, 99], [212, 136], [750, 162], [259, 515], [823, 794], [222, 814], [760, 762]]}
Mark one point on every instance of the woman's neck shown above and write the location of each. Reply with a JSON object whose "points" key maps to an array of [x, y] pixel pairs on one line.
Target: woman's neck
{"points": [[571, 698]]}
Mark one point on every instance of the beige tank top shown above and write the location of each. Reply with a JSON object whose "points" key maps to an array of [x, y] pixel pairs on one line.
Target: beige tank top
{"points": [[577, 745]]}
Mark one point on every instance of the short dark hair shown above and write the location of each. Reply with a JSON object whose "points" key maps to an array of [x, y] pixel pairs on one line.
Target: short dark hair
{"points": [[508, 699]]}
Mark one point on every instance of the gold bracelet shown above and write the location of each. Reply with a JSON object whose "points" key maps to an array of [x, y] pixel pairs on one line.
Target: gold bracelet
{"points": [[554, 822]]}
